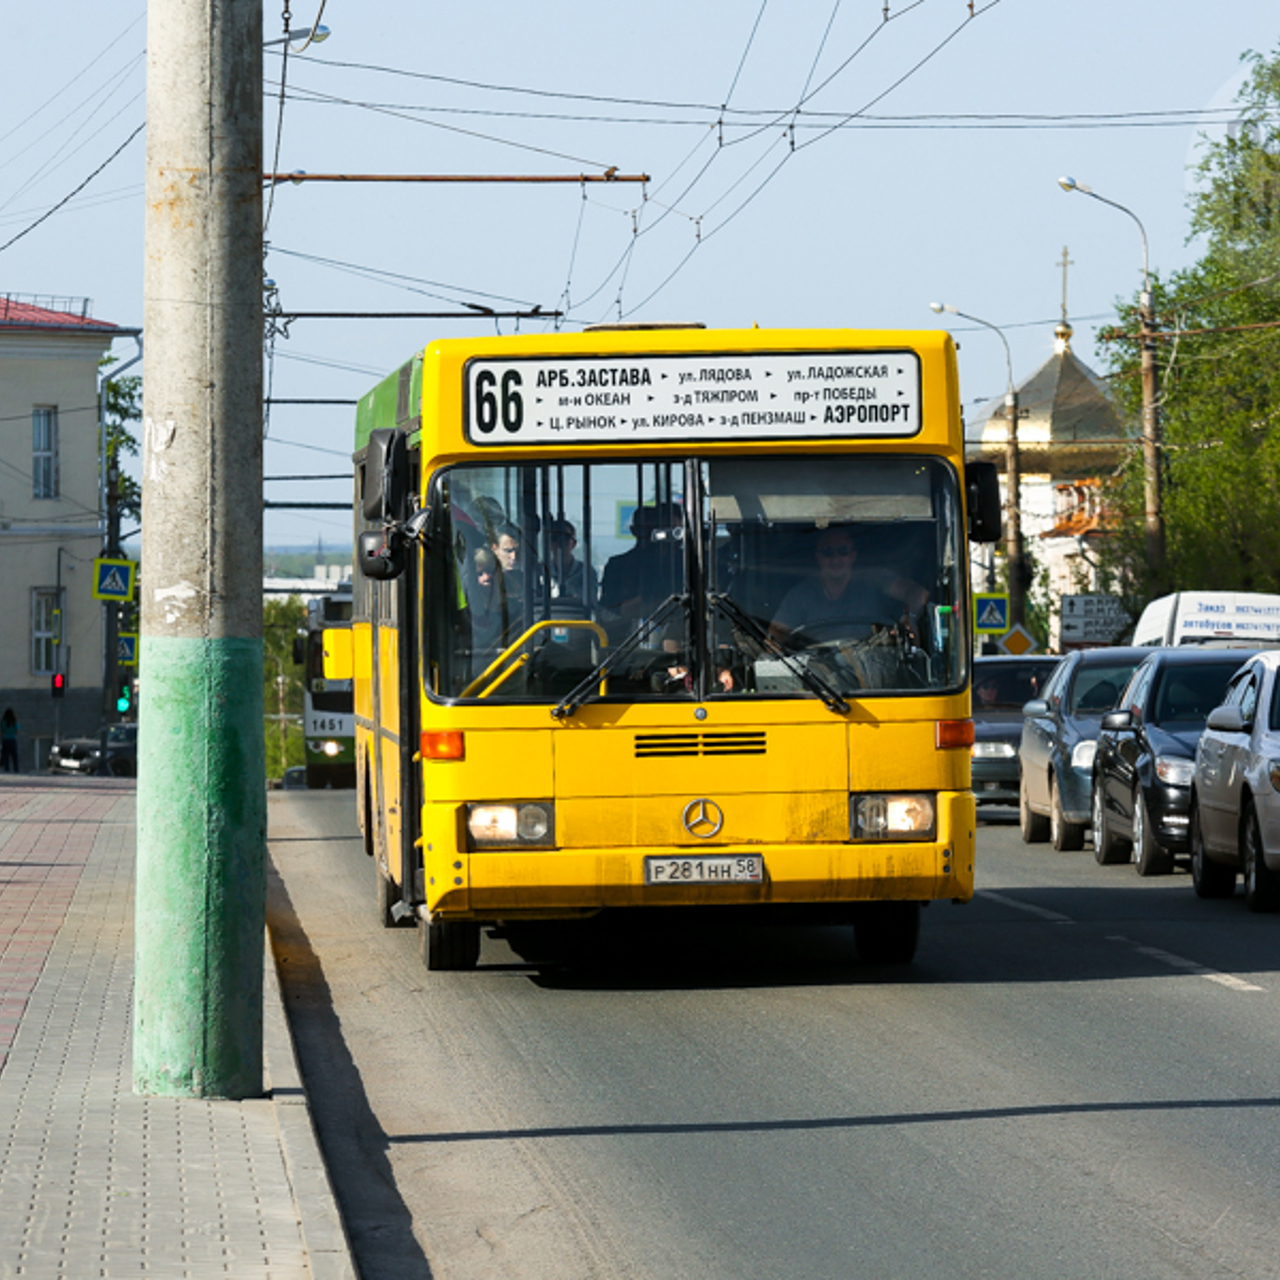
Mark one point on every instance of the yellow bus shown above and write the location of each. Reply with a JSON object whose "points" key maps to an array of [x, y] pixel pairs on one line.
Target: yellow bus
{"points": [[665, 617]]}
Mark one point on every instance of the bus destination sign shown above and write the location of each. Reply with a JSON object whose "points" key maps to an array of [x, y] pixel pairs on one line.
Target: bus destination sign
{"points": [[716, 397]]}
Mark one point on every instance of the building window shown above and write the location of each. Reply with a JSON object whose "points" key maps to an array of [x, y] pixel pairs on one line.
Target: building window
{"points": [[46, 626], [44, 452]]}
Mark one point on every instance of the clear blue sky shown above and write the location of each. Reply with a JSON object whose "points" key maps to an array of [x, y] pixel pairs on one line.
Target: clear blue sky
{"points": [[926, 153]]}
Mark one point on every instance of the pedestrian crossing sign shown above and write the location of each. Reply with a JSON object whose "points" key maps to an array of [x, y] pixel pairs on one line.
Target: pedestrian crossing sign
{"points": [[113, 579], [127, 649], [990, 613]]}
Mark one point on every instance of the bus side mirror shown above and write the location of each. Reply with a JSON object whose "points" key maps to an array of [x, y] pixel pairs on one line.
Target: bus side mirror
{"points": [[386, 476], [337, 654], [380, 554], [982, 491]]}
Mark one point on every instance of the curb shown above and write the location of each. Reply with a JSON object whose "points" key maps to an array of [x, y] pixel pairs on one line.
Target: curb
{"points": [[323, 1233]]}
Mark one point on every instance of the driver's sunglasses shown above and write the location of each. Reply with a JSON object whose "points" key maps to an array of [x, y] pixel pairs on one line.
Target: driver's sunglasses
{"points": [[830, 553]]}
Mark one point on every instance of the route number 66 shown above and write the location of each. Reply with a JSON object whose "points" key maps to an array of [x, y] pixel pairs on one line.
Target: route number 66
{"points": [[498, 401]]}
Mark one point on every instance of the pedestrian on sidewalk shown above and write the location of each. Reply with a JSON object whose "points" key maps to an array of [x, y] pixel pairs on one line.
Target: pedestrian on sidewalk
{"points": [[9, 741]]}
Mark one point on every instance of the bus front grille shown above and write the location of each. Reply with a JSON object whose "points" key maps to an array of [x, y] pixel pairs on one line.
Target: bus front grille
{"points": [[700, 744]]}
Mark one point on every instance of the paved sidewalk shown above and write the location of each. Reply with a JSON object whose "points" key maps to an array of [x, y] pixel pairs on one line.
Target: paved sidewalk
{"points": [[95, 1181]]}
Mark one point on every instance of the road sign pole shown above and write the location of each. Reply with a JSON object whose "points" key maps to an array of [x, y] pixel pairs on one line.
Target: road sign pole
{"points": [[201, 899]]}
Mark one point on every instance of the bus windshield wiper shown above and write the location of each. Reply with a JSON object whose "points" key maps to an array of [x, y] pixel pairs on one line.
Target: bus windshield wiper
{"points": [[582, 691], [807, 677]]}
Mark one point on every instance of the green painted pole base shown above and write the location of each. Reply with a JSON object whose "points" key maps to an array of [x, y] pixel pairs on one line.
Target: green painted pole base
{"points": [[201, 882]]}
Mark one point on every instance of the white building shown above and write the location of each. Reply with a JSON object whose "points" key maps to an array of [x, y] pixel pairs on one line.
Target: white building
{"points": [[50, 517]]}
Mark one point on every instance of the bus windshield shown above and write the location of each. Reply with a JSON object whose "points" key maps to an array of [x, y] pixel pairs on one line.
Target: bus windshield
{"points": [[736, 577]]}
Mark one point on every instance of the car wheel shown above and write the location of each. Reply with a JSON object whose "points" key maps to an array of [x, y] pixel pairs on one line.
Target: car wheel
{"points": [[1150, 858], [1261, 884], [1107, 849], [1210, 879], [887, 932], [449, 944], [1034, 826], [1065, 836]]}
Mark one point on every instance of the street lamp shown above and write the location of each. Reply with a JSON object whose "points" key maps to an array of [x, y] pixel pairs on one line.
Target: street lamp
{"points": [[310, 35], [1151, 444], [1013, 475]]}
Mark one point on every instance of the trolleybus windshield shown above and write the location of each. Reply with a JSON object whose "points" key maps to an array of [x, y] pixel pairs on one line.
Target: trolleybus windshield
{"points": [[736, 577]]}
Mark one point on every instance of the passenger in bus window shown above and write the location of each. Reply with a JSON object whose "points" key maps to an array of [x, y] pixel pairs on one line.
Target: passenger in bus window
{"points": [[638, 580], [495, 610], [566, 575], [842, 603]]}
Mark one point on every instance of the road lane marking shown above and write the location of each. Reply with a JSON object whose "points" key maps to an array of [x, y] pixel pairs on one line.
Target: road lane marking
{"points": [[1187, 966], [1042, 913]]}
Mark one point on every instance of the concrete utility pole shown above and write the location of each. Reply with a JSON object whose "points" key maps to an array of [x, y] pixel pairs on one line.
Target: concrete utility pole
{"points": [[1152, 446], [1153, 503], [201, 796]]}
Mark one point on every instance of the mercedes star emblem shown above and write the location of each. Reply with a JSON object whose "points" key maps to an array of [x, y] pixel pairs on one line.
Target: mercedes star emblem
{"points": [[703, 818]]}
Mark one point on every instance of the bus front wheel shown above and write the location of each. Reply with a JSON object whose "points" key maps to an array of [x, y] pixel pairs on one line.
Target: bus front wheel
{"points": [[449, 944], [887, 932]]}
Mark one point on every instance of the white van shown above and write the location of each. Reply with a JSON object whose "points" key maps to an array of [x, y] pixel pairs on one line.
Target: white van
{"points": [[1197, 617]]}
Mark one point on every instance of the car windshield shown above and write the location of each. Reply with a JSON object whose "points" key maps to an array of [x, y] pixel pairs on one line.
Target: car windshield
{"points": [[1006, 686], [121, 735], [1186, 694], [724, 577], [1096, 688]]}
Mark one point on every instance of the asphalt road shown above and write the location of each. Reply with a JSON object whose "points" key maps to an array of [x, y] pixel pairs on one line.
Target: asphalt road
{"points": [[1077, 1078]]}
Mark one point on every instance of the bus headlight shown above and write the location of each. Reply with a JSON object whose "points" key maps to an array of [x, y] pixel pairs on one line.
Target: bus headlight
{"points": [[907, 816], [332, 748], [511, 826]]}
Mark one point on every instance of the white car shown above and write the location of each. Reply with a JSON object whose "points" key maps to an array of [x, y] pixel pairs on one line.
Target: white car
{"points": [[1235, 796]]}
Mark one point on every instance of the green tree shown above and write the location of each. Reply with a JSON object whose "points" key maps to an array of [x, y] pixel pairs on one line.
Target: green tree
{"points": [[1220, 379], [123, 407], [282, 684]]}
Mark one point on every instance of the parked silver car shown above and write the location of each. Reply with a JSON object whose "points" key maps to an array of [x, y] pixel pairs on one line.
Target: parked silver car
{"points": [[1235, 790], [1059, 737]]}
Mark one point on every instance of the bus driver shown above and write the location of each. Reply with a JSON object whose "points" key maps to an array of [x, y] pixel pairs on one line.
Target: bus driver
{"points": [[842, 603]]}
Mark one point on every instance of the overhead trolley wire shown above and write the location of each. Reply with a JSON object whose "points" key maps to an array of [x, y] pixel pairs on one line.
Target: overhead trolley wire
{"points": [[74, 191]]}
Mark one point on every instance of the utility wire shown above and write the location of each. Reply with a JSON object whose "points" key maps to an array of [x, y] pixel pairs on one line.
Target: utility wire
{"points": [[902, 79], [75, 79], [742, 62], [704, 237], [316, 95], [401, 279], [1176, 117], [75, 191]]}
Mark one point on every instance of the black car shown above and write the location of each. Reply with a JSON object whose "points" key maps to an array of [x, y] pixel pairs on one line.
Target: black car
{"points": [[1000, 687], [1059, 733], [1145, 760], [81, 755]]}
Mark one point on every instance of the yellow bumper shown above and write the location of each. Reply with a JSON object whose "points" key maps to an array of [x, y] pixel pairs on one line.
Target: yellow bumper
{"points": [[547, 882]]}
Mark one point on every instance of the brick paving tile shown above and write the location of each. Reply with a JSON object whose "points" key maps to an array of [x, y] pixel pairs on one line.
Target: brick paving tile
{"points": [[94, 1180]]}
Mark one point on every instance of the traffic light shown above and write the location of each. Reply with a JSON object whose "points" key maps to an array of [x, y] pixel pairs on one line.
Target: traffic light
{"points": [[58, 684], [125, 699]]}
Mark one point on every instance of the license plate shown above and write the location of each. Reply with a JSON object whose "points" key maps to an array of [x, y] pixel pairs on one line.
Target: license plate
{"points": [[731, 870], [69, 764]]}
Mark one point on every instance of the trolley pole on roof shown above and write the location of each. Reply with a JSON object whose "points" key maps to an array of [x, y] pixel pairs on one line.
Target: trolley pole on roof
{"points": [[201, 797]]}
